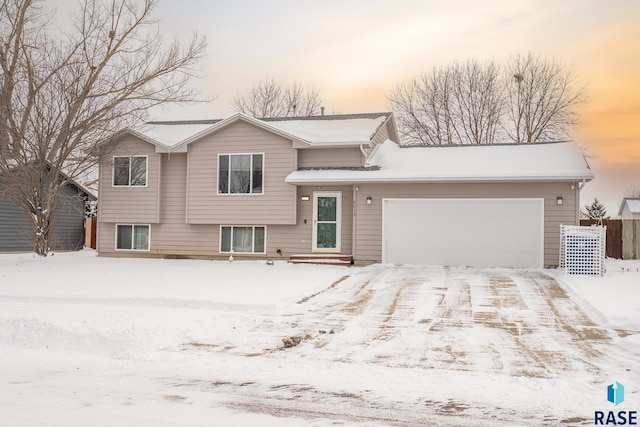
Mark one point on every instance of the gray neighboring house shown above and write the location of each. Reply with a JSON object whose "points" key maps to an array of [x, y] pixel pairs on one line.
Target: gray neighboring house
{"points": [[334, 185], [16, 227]]}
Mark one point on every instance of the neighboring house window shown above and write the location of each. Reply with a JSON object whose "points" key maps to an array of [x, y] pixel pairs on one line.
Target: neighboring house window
{"points": [[130, 171], [240, 173], [248, 240], [132, 237]]}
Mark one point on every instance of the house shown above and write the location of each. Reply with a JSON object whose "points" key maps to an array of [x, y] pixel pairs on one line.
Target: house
{"points": [[328, 185], [629, 208], [67, 223]]}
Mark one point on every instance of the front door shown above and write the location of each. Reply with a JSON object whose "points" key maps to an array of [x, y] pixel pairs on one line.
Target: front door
{"points": [[327, 212]]}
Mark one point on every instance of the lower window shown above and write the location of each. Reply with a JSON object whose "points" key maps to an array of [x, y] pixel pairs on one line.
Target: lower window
{"points": [[132, 237], [248, 240]]}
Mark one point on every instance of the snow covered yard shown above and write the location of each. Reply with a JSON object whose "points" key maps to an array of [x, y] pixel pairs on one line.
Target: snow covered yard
{"points": [[129, 342]]}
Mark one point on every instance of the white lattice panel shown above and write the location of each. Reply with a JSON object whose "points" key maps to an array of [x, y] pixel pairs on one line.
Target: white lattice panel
{"points": [[583, 249]]}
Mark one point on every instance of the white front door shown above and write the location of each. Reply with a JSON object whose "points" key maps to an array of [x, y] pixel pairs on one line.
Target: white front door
{"points": [[327, 213]]}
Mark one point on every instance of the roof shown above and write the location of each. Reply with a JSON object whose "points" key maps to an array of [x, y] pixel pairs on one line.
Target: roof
{"points": [[632, 202], [349, 129], [171, 133], [73, 182], [332, 130], [501, 162]]}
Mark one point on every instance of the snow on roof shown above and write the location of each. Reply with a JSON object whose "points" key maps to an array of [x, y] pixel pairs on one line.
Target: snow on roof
{"points": [[170, 134], [632, 203], [503, 162], [346, 129], [332, 130]]}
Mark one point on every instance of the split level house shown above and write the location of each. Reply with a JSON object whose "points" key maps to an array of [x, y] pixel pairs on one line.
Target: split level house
{"points": [[334, 185]]}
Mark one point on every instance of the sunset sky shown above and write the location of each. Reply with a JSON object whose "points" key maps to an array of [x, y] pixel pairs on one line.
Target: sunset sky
{"points": [[355, 52]]}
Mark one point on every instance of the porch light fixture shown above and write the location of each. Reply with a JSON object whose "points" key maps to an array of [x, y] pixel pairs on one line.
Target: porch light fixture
{"points": [[369, 200], [304, 198], [559, 200]]}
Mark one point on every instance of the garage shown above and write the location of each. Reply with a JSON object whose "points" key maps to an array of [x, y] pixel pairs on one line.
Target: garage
{"points": [[464, 232]]}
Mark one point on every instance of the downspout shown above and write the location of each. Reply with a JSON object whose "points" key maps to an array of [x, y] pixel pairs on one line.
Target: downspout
{"points": [[354, 203], [354, 197], [580, 187]]}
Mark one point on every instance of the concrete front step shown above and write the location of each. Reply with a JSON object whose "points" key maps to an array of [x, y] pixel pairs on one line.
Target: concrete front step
{"points": [[322, 259]]}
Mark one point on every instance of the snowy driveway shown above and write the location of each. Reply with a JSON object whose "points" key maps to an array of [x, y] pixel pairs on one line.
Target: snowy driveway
{"points": [[514, 322], [199, 343], [512, 342]]}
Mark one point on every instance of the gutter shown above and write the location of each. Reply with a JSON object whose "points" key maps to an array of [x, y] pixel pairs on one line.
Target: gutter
{"points": [[352, 177], [354, 203]]}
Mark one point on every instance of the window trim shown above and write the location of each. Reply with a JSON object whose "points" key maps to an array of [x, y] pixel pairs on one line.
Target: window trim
{"points": [[115, 243], [146, 172], [253, 242], [229, 180]]}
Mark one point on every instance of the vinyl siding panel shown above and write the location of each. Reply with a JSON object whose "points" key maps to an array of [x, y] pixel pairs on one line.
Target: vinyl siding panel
{"points": [[369, 217], [298, 239], [174, 237], [130, 204], [67, 224], [330, 157], [16, 228], [275, 206]]}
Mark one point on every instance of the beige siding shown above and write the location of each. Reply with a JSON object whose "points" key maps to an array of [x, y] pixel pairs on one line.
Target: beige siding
{"points": [[298, 239], [174, 237], [330, 157], [130, 204], [275, 206], [369, 217]]}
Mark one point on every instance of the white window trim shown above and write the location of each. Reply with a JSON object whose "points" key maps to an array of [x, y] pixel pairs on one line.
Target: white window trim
{"points": [[229, 180], [115, 243], [146, 171], [253, 240]]}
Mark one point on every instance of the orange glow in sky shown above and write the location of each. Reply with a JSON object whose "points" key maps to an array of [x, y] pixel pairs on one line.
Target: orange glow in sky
{"points": [[356, 52]]}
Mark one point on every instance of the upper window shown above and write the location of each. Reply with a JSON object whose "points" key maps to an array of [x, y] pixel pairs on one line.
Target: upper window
{"points": [[130, 171], [240, 173]]}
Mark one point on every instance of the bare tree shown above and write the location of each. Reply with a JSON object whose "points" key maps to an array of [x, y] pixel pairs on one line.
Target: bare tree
{"points": [[542, 99], [423, 108], [632, 192], [63, 93], [477, 100], [455, 104], [473, 103], [268, 98]]}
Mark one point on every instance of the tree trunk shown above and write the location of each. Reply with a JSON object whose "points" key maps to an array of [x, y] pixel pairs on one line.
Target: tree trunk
{"points": [[41, 232]]}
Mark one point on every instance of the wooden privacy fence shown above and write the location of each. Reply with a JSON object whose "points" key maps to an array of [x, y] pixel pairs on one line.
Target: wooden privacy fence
{"points": [[631, 239], [623, 237], [90, 232]]}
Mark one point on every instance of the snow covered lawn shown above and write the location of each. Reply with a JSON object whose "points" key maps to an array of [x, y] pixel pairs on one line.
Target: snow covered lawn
{"points": [[86, 340]]}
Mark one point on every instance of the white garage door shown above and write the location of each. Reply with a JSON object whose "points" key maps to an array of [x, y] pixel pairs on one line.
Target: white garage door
{"points": [[466, 232]]}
